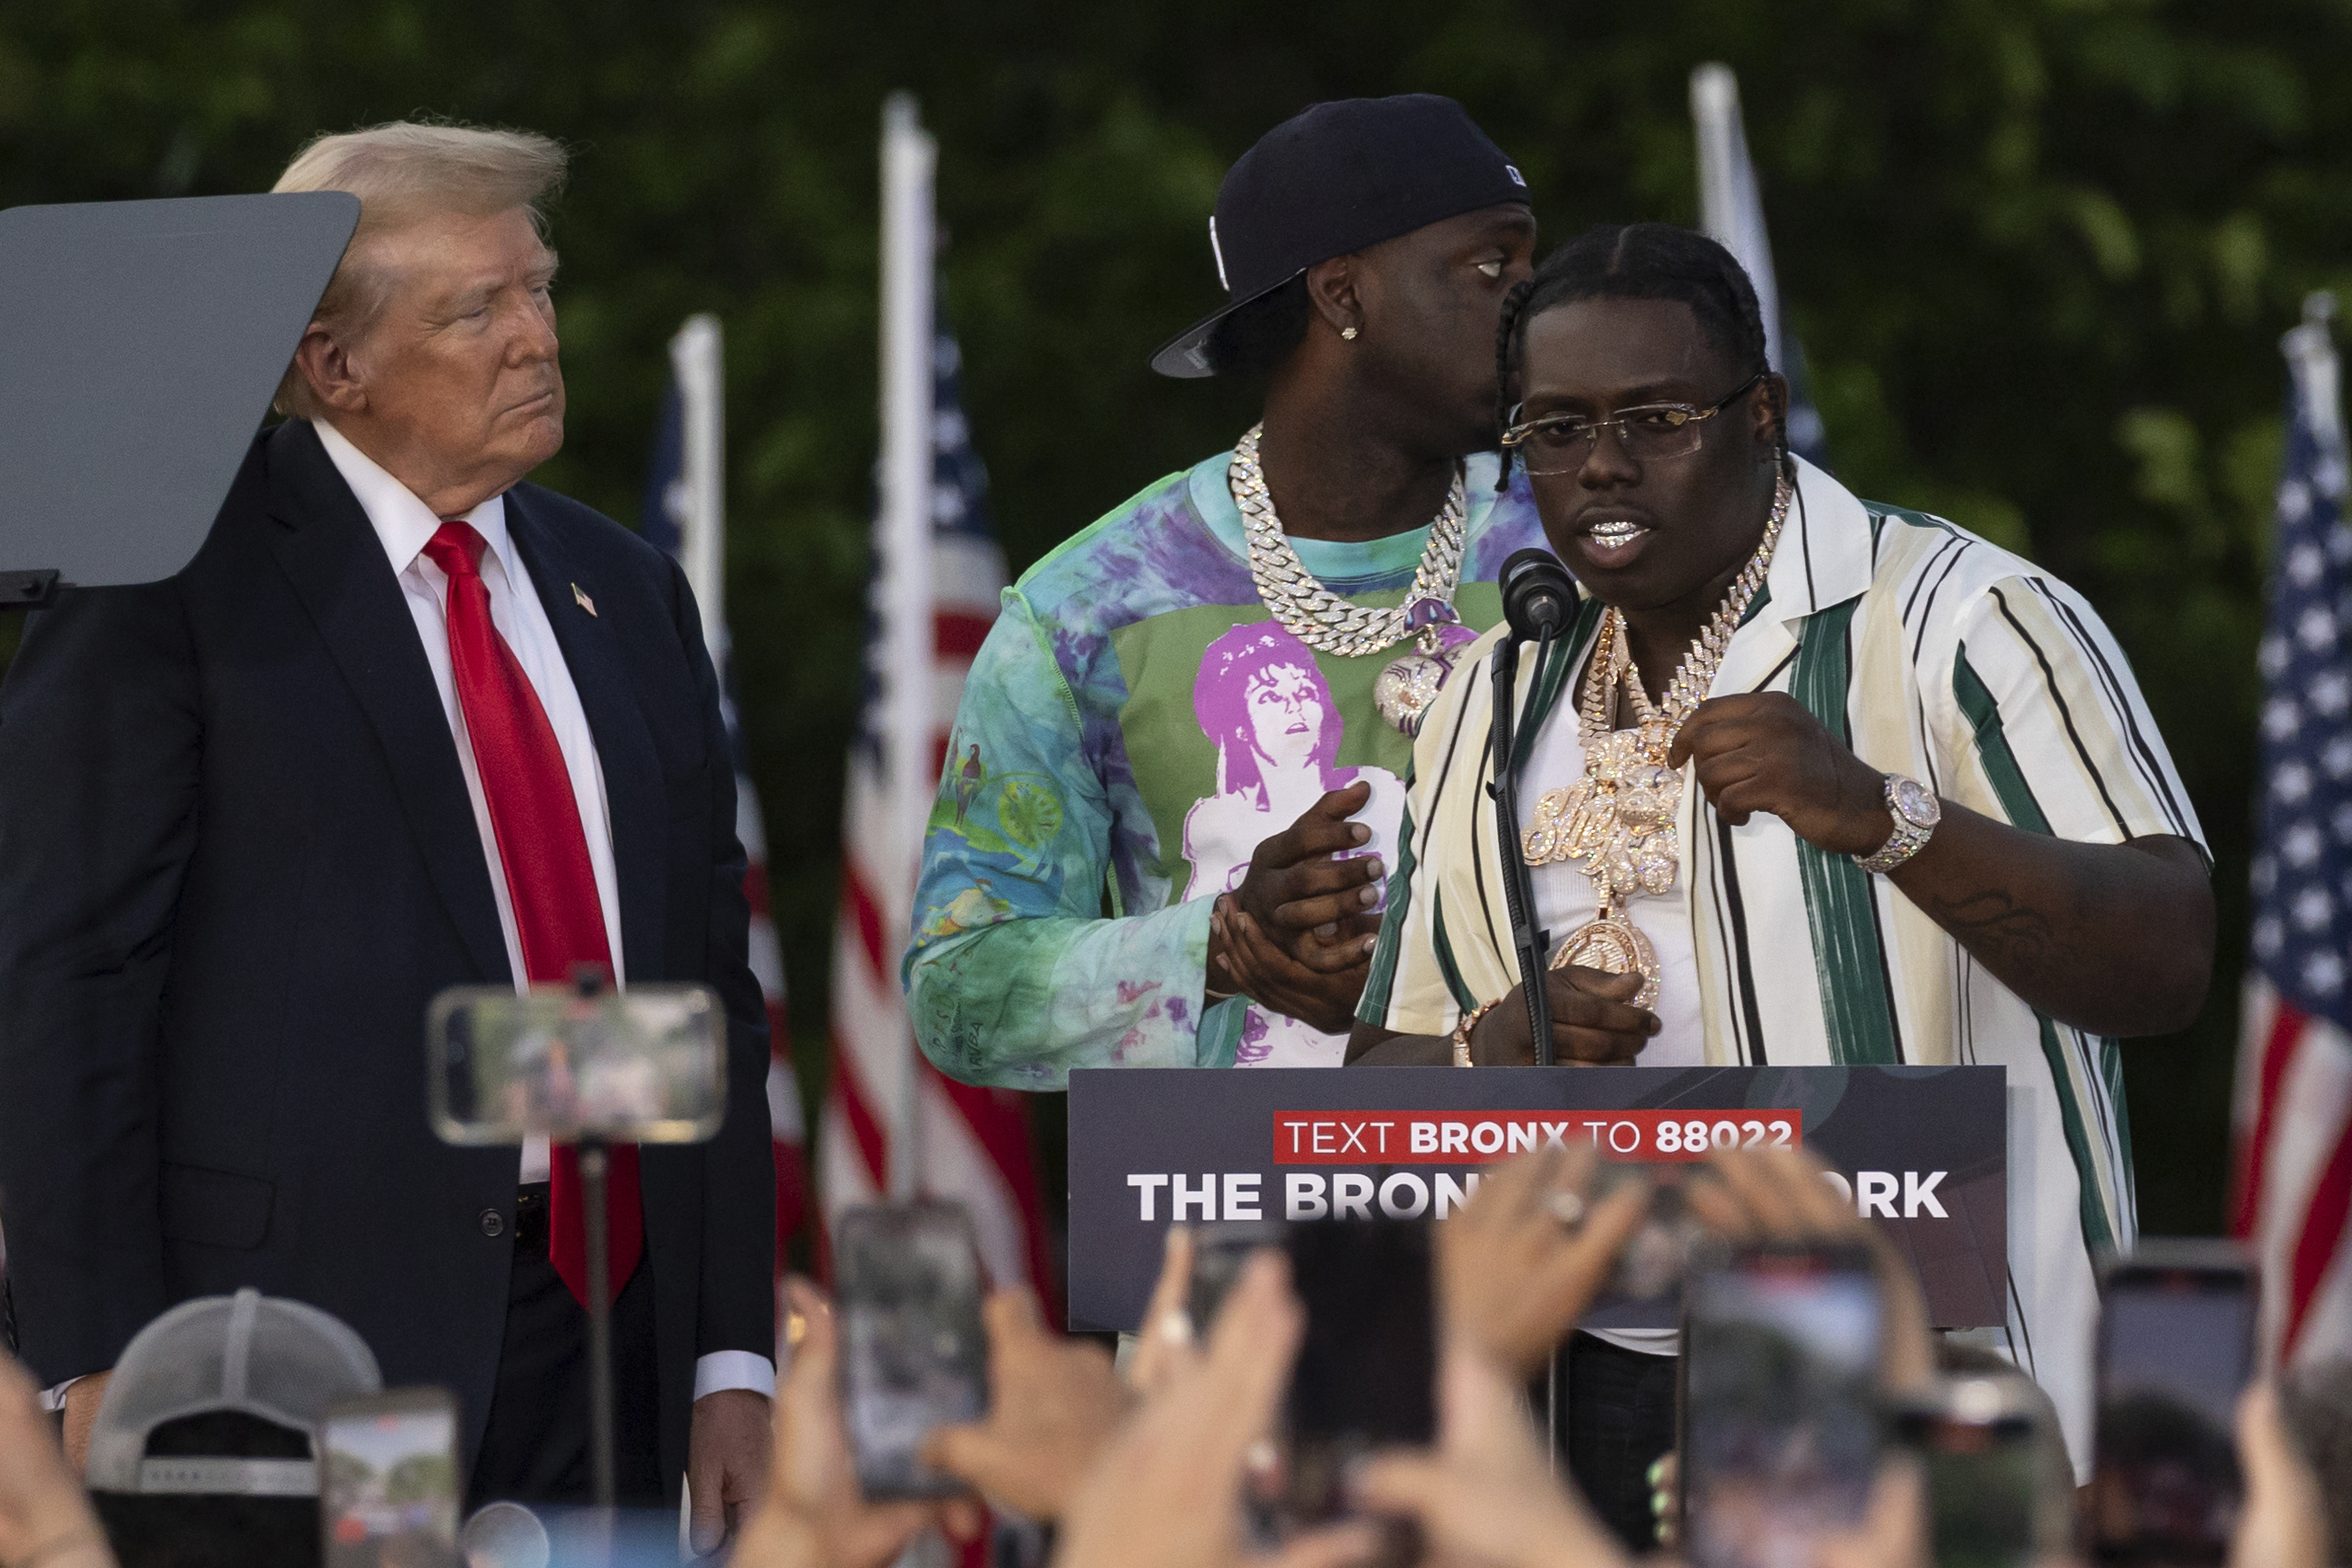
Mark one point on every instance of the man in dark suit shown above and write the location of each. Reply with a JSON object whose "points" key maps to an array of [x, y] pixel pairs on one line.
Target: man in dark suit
{"points": [[405, 722]]}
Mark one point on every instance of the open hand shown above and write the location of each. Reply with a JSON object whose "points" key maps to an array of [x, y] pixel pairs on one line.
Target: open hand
{"points": [[1053, 1404], [1763, 751], [1519, 1264]]}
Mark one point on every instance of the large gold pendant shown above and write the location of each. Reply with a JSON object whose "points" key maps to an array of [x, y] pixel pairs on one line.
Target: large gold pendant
{"points": [[1613, 945]]}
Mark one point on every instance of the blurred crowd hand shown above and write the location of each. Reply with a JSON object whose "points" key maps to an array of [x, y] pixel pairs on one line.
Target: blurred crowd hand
{"points": [[814, 1515], [1164, 1343], [1486, 1498], [1766, 1196], [83, 1396], [2285, 1521], [1054, 1404], [1518, 1265], [1168, 1493], [45, 1516]]}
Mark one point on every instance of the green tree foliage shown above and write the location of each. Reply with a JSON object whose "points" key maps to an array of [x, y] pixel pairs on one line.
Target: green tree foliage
{"points": [[2038, 251]]}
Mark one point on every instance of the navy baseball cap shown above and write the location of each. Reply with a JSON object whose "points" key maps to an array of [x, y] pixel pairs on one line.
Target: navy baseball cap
{"points": [[1336, 178]]}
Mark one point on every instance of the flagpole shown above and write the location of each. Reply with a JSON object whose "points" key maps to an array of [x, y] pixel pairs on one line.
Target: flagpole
{"points": [[696, 362], [1731, 210], [909, 158]]}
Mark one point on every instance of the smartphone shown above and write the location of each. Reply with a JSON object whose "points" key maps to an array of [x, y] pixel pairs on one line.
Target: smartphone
{"points": [[2175, 1348], [388, 1482], [914, 1352], [1993, 1500], [1219, 1250], [1366, 1374], [1778, 1413]]}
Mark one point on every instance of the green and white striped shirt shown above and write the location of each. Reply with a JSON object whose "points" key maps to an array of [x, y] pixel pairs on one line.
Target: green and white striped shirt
{"points": [[1931, 653]]}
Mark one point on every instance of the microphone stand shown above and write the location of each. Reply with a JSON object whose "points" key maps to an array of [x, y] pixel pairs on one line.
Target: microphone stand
{"points": [[1519, 888]]}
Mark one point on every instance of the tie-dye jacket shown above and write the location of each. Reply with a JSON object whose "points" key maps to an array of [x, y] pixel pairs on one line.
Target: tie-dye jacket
{"points": [[1134, 725]]}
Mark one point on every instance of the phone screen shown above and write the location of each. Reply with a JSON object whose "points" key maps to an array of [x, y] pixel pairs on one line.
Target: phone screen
{"points": [[1780, 1425], [1366, 1374], [914, 1352], [388, 1495], [1982, 1445], [2176, 1349]]}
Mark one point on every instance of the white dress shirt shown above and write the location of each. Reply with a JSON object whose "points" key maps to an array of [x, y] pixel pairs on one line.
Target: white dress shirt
{"points": [[405, 525]]}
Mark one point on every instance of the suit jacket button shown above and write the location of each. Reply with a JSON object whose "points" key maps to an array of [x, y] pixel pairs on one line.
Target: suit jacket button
{"points": [[493, 1222]]}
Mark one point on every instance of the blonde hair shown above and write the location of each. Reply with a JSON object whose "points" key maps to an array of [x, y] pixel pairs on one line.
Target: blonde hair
{"points": [[404, 172]]}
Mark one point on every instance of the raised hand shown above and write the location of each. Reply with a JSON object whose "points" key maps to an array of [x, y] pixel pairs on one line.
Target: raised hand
{"points": [[1487, 1496], [1053, 1404], [815, 1514], [1519, 1264], [1167, 1494]]}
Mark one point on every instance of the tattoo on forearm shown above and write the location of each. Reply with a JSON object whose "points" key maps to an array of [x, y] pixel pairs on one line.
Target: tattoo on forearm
{"points": [[2013, 939]]}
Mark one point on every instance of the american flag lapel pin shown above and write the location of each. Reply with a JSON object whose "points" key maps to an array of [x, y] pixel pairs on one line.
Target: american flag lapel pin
{"points": [[583, 600]]}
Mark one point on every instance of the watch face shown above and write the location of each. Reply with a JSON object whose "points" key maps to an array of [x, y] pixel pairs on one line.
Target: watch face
{"points": [[1918, 805]]}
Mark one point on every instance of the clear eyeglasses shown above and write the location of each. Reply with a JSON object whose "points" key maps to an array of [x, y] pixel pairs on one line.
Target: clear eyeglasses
{"points": [[1560, 443]]}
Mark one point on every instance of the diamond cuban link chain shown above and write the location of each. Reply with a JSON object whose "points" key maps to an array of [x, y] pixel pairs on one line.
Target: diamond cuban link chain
{"points": [[1311, 612]]}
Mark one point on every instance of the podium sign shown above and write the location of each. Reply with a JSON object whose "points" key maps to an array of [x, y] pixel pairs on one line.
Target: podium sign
{"points": [[1923, 1150]]}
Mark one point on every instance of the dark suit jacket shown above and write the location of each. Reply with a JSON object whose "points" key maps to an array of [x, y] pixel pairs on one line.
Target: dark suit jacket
{"points": [[238, 860]]}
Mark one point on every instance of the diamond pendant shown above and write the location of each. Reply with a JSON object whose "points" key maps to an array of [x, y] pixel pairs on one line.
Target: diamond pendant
{"points": [[1405, 690], [1613, 945]]}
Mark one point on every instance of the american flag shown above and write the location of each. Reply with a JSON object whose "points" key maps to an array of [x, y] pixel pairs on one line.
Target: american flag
{"points": [[684, 514], [2294, 1105], [973, 1144]]}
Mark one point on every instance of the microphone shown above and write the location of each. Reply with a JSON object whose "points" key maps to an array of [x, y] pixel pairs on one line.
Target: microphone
{"points": [[1538, 599]]}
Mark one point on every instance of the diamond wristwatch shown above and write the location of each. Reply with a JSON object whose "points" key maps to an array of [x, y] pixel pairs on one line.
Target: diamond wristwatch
{"points": [[1915, 811]]}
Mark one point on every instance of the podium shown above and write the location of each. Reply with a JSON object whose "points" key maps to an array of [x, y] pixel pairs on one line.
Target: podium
{"points": [[1923, 1152]]}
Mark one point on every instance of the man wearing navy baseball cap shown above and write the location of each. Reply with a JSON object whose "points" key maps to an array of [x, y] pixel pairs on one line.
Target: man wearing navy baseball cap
{"points": [[1176, 780]]}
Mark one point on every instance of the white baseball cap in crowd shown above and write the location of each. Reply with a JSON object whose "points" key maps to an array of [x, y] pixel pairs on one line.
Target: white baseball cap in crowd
{"points": [[284, 1361]]}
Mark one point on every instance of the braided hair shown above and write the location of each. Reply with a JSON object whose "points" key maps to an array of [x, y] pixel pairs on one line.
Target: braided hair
{"points": [[1634, 261]]}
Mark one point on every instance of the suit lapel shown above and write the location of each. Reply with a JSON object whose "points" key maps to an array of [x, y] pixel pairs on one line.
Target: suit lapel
{"points": [[633, 797], [331, 555]]}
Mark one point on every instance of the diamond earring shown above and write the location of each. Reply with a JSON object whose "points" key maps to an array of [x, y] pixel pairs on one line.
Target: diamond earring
{"points": [[1349, 333]]}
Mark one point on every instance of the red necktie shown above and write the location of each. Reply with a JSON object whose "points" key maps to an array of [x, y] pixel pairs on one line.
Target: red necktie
{"points": [[550, 882]]}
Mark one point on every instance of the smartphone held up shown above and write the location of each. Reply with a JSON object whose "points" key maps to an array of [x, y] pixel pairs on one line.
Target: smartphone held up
{"points": [[2176, 1349], [1779, 1420], [389, 1495], [914, 1348]]}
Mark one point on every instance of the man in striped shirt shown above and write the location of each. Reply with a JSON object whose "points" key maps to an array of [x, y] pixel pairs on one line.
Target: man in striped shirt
{"points": [[1915, 812]]}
